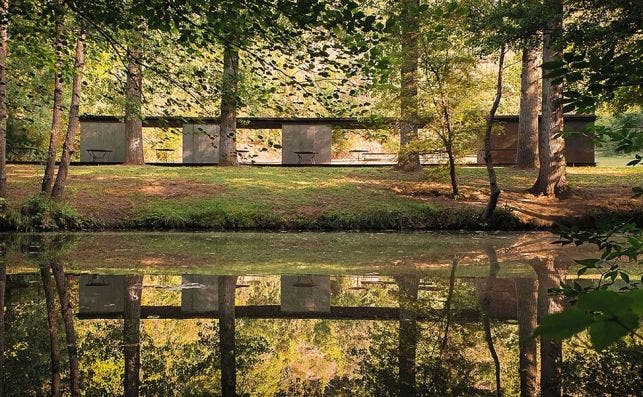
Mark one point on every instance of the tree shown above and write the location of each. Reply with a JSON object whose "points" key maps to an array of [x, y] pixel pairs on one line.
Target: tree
{"points": [[409, 83], [52, 322], [551, 144], [74, 109], [56, 119], [133, 100], [228, 126], [132, 334], [527, 145], [4, 22]]}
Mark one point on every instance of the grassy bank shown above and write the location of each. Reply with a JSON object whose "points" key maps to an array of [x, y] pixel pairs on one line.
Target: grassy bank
{"points": [[273, 198]]}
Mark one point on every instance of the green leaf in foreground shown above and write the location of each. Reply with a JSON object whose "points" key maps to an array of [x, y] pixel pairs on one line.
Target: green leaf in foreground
{"points": [[563, 325]]}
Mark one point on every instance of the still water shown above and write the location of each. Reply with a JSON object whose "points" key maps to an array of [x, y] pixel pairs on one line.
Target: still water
{"points": [[283, 314]]}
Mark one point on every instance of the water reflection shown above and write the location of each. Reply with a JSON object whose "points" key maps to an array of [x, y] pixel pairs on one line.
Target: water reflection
{"points": [[408, 333]]}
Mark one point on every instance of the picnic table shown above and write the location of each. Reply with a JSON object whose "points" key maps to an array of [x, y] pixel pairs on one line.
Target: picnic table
{"points": [[302, 155], [360, 153], [98, 155], [379, 156], [163, 154]]}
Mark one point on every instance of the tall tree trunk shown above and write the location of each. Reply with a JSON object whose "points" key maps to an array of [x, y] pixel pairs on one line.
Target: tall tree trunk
{"points": [[132, 335], [409, 84], [408, 333], [527, 146], [551, 146], [72, 127], [52, 322], [227, 286], [133, 100], [4, 22], [494, 268], [228, 126], [494, 190], [56, 119], [452, 172], [3, 285], [551, 352], [447, 307], [70, 332], [527, 298]]}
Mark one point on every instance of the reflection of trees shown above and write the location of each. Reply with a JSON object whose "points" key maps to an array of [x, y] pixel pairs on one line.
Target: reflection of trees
{"points": [[52, 322], [3, 281], [132, 334]]}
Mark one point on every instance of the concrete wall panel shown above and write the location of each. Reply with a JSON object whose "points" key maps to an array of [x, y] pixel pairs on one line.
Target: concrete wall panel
{"points": [[199, 293], [101, 294], [306, 138], [102, 136], [200, 144], [305, 293]]}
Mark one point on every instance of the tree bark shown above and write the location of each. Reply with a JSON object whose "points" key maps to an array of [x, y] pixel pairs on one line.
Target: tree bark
{"points": [[72, 127], [4, 22], [408, 333], [70, 332], [551, 146], [409, 85], [551, 352], [228, 126], [227, 286], [494, 190], [3, 285], [54, 348], [527, 146], [132, 335], [133, 100], [527, 298], [56, 119]]}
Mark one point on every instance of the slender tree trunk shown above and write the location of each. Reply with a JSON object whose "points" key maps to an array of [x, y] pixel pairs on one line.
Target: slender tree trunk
{"points": [[494, 268], [227, 286], [527, 298], [551, 352], [409, 84], [54, 348], [70, 332], [527, 146], [3, 285], [4, 22], [452, 172], [551, 146], [228, 126], [133, 100], [132, 335], [494, 190], [72, 128], [56, 119], [408, 334]]}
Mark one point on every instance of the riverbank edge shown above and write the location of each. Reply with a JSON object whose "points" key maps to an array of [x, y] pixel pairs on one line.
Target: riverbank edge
{"points": [[46, 215]]}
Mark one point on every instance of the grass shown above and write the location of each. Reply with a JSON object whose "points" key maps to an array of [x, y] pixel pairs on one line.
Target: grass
{"points": [[324, 198]]}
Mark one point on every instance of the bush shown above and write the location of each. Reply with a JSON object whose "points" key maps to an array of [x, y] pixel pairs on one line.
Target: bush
{"points": [[44, 214]]}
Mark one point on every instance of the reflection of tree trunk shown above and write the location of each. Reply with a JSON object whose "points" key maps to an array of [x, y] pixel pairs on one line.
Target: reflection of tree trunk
{"points": [[408, 334], [4, 21], [132, 334], [494, 268], [227, 286], [447, 307], [526, 298], [70, 333], [54, 349], [3, 283], [551, 352]]}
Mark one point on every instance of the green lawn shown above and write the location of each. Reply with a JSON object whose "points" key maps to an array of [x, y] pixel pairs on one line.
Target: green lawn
{"points": [[314, 198]]}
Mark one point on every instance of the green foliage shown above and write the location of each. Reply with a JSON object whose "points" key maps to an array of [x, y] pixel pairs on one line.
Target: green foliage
{"points": [[607, 316], [40, 213]]}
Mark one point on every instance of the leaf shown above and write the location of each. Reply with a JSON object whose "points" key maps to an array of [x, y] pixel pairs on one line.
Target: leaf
{"points": [[563, 325], [604, 333], [602, 301]]}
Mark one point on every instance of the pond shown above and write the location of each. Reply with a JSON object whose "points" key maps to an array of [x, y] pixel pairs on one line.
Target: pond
{"points": [[276, 314]]}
